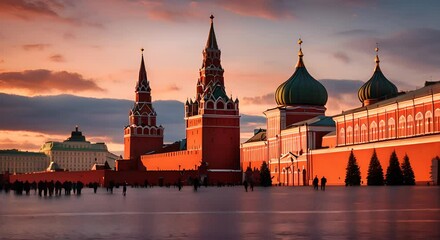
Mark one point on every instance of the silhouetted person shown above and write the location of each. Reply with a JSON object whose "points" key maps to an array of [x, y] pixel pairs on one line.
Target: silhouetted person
{"points": [[27, 187], [58, 187], [179, 184], [111, 186], [196, 184], [74, 188], [124, 189], [51, 187], [79, 187], [45, 188], [40, 188], [245, 184], [315, 182], [95, 187], [34, 186], [323, 182]]}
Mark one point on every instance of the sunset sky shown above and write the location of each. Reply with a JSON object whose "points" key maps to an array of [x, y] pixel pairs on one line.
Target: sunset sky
{"points": [[65, 63]]}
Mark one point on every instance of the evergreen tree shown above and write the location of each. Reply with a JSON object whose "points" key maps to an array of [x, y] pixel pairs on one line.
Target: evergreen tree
{"points": [[353, 175], [375, 172], [408, 173], [265, 178], [394, 173]]}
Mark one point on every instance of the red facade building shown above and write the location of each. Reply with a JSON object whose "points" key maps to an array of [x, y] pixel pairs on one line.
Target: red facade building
{"points": [[212, 125], [301, 142]]}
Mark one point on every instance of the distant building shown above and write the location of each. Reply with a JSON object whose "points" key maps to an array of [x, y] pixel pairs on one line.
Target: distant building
{"points": [[15, 161], [77, 154]]}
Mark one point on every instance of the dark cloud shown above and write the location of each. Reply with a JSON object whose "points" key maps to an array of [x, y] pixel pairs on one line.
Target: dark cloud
{"points": [[46, 81], [342, 57], [413, 48], [342, 94], [357, 32], [173, 87], [178, 11], [57, 58], [97, 118], [260, 100], [30, 10], [38, 46]]}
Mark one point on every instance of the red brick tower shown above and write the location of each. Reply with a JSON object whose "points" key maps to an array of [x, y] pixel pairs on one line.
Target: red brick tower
{"points": [[212, 119], [142, 135]]}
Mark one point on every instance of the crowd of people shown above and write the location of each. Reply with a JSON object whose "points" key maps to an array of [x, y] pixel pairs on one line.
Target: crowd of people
{"points": [[45, 188]]}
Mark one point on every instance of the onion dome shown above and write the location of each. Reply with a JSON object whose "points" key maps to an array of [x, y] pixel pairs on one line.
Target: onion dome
{"points": [[301, 88], [378, 87]]}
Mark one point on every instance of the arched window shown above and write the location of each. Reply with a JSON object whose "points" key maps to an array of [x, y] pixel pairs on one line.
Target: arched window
{"points": [[230, 105], [391, 128], [428, 122], [410, 125], [402, 126], [356, 133], [349, 135], [437, 120], [364, 133], [419, 123], [382, 130], [146, 131], [209, 105], [153, 131], [342, 136], [220, 105], [373, 131]]}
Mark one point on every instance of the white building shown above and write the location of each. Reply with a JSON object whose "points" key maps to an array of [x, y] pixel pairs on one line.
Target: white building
{"points": [[77, 154], [14, 161]]}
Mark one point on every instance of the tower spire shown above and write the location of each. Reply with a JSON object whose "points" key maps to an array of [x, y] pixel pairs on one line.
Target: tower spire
{"points": [[300, 55], [142, 84], [376, 59], [212, 41]]}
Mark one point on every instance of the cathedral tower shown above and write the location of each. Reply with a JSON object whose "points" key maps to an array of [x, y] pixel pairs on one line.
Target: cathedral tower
{"points": [[212, 119], [142, 135]]}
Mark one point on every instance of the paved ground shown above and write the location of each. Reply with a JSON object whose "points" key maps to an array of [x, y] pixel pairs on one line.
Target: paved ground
{"points": [[226, 213]]}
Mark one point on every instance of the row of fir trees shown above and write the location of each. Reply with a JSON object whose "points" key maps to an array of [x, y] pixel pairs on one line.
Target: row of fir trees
{"points": [[396, 174]]}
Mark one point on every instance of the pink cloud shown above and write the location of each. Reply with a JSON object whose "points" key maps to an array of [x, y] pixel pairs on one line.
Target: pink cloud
{"points": [[57, 58], [260, 100], [172, 11], [46, 81], [38, 46], [266, 9]]}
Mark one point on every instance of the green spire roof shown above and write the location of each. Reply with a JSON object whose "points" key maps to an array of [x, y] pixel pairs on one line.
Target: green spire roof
{"points": [[301, 88], [378, 87]]}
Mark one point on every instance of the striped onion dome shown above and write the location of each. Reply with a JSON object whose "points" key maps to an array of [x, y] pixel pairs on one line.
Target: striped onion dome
{"points": [[301, 88]]}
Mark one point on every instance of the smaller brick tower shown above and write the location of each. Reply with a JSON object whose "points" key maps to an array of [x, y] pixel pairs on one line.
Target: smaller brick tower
{"points": [[142, 135]]}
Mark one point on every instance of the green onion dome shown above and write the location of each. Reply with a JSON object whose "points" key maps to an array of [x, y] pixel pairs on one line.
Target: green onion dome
{"points": [[378, 87], [301, 88]]}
